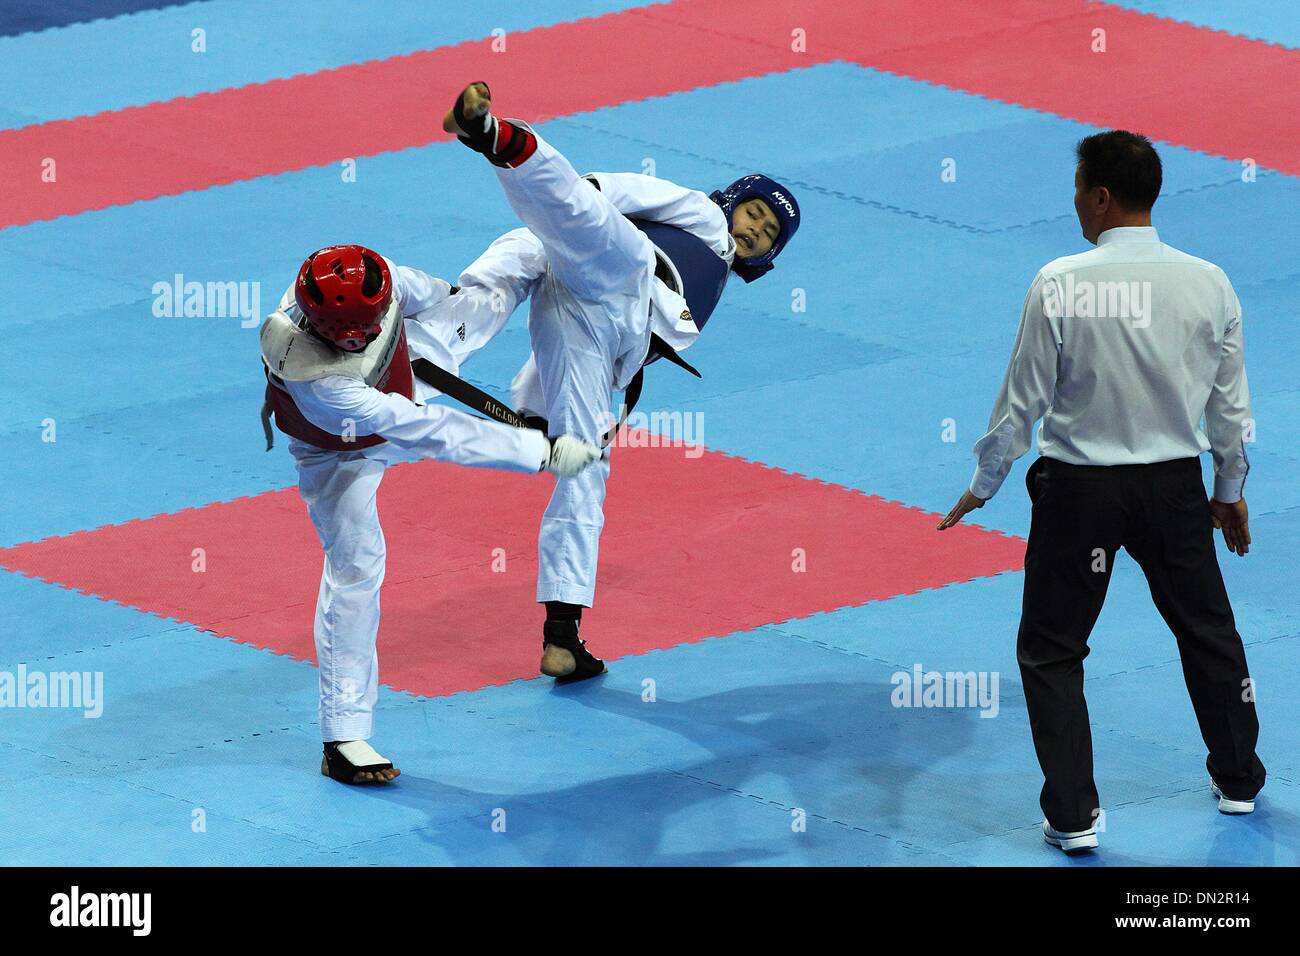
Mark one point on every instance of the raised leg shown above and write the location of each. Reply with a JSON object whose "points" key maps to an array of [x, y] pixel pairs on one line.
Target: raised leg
{"points": [[592, 248]]}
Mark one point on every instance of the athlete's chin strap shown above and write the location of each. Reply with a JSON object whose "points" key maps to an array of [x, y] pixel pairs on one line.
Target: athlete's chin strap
{"points": [[750, 273], [266, 424]]}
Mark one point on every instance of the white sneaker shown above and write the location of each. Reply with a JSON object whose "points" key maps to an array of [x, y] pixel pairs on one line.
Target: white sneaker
{"points": [[1070, 842], [1227, 804]]}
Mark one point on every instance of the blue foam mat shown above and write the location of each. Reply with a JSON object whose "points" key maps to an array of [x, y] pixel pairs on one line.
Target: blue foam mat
{"points": [[246, 42], [1273, 21]]}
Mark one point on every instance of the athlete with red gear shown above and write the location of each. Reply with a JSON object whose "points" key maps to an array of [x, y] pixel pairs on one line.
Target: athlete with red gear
{"points": [[337, 355]]}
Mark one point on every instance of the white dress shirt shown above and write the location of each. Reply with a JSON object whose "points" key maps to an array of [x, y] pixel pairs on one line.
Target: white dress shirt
{"points": [[1122, 350]]}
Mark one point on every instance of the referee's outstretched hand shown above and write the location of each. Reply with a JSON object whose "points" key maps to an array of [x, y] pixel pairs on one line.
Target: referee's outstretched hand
{"points": [[1234, 521], [964, 506]]}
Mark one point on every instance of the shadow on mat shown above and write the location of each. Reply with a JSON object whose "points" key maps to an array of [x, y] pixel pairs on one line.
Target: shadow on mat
{"points": [[782, 739]]}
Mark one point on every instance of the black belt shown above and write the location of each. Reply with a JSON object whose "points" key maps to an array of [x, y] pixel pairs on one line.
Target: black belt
{"points": [[480, 401], [468, 395]]}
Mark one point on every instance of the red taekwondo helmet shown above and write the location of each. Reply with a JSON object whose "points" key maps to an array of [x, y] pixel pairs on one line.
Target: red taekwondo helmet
{"points": [[344, 291]]}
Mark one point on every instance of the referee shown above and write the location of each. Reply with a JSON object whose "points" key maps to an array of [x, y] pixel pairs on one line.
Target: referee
{"points": [[1122, 350]]}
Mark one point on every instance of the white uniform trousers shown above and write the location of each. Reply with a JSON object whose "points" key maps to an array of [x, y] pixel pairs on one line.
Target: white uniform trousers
{"points": [[590, 328]]}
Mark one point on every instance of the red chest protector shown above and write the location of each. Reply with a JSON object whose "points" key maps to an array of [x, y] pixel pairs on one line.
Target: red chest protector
{"points": [[394, 376]]}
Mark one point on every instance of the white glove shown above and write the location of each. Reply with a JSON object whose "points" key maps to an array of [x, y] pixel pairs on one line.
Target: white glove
{"points": [[569, 456]]}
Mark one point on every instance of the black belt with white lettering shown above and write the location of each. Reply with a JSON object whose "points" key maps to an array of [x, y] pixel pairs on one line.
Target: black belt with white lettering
{"points": [[468, 395]]}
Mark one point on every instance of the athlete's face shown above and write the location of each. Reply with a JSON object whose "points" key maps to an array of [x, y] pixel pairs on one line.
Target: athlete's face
{"points": [[755, 227]]}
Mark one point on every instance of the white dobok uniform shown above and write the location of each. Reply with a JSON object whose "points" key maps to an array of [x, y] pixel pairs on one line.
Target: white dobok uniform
{"points": [[330, 389], [595, 301]]}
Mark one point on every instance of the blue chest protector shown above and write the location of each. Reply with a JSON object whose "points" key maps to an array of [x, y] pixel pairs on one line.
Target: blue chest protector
{"points": [[695, 272]]}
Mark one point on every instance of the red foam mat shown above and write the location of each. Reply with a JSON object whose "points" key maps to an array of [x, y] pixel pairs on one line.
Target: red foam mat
{"points": [[694, 547], [1176, 82]]}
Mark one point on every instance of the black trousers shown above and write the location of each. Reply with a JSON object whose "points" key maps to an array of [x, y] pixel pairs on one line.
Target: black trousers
{"points": [[1159, 513]]}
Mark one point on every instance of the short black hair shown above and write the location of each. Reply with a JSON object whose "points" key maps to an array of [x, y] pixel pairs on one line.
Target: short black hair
{"points": [[1125, 163]]}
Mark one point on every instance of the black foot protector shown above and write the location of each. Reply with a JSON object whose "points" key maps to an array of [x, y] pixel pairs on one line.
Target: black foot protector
{"points": [[565, 656], [506, 143], [337, 766]]}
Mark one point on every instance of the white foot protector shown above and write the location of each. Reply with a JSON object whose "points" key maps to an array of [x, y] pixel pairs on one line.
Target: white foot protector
{"points": [[359, 753]]}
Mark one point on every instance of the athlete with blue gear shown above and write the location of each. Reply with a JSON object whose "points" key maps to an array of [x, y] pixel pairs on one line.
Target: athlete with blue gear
{"points": [[617, 276]]}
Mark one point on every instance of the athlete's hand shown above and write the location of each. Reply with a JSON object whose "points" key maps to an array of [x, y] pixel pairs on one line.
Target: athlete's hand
{"points": [[569, 456], [1234, 521], [964, 506]]}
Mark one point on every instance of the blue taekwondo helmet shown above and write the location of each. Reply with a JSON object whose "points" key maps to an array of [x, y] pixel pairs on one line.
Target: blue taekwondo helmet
{"points": [[783, 203]]}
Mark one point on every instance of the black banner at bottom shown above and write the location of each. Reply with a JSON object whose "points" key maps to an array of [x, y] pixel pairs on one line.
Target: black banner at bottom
{"points": [[742, 905]]}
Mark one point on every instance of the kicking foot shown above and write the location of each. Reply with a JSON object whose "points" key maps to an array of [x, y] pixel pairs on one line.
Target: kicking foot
{"points": [[565, 656], [506, 143], [355, 761], [474, 102]]}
